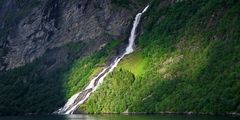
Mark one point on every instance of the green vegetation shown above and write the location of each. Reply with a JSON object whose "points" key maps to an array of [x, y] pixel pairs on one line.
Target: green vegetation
{"points": [[44, 85], [86, 68], [186, 60], [36, 87], [118, 84], [192, 54], [134, 63]]}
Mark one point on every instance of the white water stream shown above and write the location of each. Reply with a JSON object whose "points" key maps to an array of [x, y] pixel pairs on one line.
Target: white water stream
{"points": [[79, 98]]}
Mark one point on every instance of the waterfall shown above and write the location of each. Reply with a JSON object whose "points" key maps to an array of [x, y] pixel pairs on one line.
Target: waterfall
{"points": [[79, 98]]}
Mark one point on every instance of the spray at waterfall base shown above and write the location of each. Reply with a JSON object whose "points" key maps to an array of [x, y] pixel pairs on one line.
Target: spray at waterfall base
{"points": [[79, 98]]}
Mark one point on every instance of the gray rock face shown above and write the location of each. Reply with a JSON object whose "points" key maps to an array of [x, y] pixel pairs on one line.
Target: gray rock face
{"points": [[55, 23]]}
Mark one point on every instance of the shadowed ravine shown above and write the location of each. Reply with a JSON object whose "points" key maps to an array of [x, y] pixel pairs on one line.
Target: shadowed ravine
{"points": [[79, 98]]}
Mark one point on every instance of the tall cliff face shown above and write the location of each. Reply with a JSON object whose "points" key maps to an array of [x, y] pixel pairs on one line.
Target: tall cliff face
{"points": [[51, 48], [187, 58], [30, 28]]}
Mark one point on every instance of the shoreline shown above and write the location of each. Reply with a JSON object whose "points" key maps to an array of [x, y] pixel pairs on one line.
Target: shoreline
{"points": [[234, 114], [229, 114]]}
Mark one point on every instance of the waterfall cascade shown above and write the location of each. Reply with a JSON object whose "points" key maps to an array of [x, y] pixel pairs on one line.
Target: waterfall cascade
{"points": [[80, 97]]}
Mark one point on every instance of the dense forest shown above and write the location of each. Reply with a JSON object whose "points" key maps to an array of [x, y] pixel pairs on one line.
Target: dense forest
{"points": [[186, 60]]}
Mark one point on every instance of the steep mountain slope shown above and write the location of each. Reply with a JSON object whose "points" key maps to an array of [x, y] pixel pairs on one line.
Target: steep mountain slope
{"points": [[187, 60], [46, 48], [30, 28]]}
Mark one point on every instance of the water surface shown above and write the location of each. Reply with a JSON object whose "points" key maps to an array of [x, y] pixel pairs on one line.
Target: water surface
{"points": [[122, 117]]}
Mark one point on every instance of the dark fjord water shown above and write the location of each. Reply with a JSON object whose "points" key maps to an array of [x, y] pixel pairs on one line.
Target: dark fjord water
{"points": [[122, 117]]}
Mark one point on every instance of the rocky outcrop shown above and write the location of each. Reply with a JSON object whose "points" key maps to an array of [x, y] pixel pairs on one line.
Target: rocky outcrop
{"points": [[54, 23]]}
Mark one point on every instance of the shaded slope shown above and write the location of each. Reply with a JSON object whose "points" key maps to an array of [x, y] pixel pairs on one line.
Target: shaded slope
{"points": [[193, 55]]}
